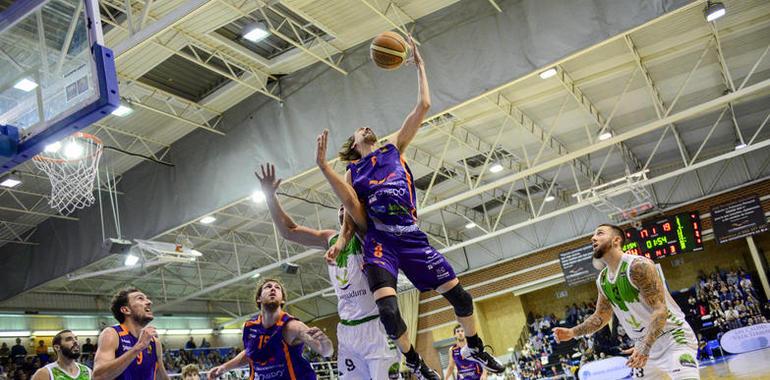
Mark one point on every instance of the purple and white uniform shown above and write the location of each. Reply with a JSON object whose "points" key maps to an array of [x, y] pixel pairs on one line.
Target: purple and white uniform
{"points": [[466, 369], [383, 183], [145, 366], [270, 357]]}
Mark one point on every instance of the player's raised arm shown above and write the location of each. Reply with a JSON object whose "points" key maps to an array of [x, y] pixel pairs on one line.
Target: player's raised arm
{"points": [[414, 120], [342, 188], [297, 332], [593, 323], [106, 365], [646, 278], [285, 225], [238, 361]]}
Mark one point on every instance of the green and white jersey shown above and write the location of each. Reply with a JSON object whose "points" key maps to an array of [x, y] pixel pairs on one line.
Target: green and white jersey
{"points": [[356, 302], [57, 373], [632, 312]]}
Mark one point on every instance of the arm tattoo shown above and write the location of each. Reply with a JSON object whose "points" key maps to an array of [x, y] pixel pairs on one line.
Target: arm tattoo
{"points": [[645, 277], [597, 320]]}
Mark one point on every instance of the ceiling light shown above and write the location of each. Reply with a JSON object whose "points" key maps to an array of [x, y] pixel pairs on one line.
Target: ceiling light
{"points": [[740, 145], [86, 332], [230, 331], [73, 150], [201, 331], [208, 219], [12, 180], [25, 85], [178, 332], [131, 260], [255, 275], [470, 225], [13, 334], [45, 333], [255, 31], [122, 111], [714, 10], [605, 136], [548, 73], [510, 349], [53, 148], [258, 196], [550, 198], [496, 168]]}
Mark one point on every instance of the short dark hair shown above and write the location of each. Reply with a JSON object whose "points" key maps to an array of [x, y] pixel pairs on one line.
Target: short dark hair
{"points": [[617, 230], [119, 300], [57, 338], [262, 284], [458, 326]]}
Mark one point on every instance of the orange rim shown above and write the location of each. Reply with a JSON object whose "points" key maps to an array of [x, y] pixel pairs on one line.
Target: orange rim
{"points": [[82, 135]]}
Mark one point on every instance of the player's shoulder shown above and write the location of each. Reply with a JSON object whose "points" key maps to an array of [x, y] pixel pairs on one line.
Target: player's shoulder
{"points": [[640, 263]]}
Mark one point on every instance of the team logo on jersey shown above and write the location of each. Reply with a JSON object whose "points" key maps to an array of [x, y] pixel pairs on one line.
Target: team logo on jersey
{"points": [[342, 278], [393, 371], [686, 360], [634, 323]]}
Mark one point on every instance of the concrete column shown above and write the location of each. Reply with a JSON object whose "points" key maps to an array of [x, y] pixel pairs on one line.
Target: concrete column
{"points": [[758, 263]]}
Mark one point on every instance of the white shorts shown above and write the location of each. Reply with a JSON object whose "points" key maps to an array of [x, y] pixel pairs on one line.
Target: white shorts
{"points": [[675, 354], [365, 352]]}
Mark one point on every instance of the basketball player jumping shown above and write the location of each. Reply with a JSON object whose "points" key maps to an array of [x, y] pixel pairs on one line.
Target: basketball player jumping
{"points": [[380, 178], [130, 350], [630, 287], [364, 351], [273, 340], [466, 369], [67, 349]]}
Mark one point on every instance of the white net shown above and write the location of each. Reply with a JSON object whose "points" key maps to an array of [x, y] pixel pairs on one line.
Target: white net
{"points": [[71, 166]]}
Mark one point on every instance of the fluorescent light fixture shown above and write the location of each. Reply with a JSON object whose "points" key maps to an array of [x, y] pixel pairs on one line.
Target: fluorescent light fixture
{"points": [[131, 260], [201, 331], [496, 168], [738, 145], [548, 73], [45, 333], [470, 225], [550, 198], [605, 136], [258, 196], [230, 331], [255, 275], [73, 150], [12, 180], [208, 219], [255, 31], [178, 332], [122, 111], [53, 148], [195, 253], [14, 334], [25, 85], [714, 10], [86, 332], [510, 349]]}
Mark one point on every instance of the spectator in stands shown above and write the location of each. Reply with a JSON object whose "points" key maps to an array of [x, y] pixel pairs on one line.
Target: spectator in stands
{"points": [[190, 345], [190, 372], [205, 343], [5, 354], [87, 348], [41, 348], [18, 352]]}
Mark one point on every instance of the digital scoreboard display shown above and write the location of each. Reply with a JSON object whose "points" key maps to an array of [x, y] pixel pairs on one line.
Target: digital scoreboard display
{"points": [[669, 236]]}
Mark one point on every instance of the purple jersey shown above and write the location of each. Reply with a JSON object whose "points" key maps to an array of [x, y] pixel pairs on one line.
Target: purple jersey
{"points": [[270, 357], [145, 366], [383, 182], [466, 369]]}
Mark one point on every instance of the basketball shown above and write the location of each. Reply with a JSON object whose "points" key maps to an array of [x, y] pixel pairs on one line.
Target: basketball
{"points": [[389, 50]]}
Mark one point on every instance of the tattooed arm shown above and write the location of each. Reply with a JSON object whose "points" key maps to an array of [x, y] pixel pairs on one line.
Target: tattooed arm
{"points": [[593, 323], [646, 278]]}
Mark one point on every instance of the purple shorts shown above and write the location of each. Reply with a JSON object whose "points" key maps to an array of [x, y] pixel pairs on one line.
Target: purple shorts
{"points": [[422, 264]]}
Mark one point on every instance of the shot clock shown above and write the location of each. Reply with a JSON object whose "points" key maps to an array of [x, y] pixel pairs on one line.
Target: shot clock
{"points": [[669, 236]]}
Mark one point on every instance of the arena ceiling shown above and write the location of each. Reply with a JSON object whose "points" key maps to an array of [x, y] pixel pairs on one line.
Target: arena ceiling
{"points": [[683, 104]]}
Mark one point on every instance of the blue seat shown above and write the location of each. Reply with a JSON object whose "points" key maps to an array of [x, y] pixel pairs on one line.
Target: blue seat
{"points": [[713, 345]]}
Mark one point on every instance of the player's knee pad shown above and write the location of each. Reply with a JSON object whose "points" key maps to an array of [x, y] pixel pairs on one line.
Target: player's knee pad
{"points": [[460, 300], [391, 317]]}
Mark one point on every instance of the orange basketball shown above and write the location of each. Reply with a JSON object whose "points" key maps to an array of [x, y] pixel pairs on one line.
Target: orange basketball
{"points": [[389, 50]]}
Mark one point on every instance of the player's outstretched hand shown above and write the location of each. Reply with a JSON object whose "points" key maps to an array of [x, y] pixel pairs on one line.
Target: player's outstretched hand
{"points": [[320, 152], [416, 57], [327, 347], [267, 179], [216, 372], [562, 335], [146, 335], [332, 253]]}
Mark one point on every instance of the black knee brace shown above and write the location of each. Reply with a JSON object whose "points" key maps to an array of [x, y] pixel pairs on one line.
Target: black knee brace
{"points": [[460, 300], [391, 317]]}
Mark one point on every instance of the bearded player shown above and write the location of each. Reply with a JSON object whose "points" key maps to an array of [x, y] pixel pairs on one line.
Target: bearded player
{"points": [[630, 286], [67, 349]]}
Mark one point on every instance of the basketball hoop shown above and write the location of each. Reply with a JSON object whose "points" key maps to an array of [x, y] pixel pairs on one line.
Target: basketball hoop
{"points": [[71, 166]]}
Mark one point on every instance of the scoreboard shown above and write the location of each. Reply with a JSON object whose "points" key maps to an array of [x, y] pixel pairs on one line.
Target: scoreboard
{"points": [[669, 236]]}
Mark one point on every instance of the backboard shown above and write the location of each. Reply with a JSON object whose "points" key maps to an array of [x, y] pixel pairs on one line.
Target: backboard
{"points": [[56, 78]]}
